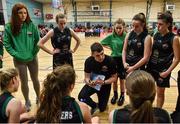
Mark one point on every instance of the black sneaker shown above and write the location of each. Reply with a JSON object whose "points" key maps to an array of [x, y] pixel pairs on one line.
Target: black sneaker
{"points": [[120, 101], [173, 114], [175, 117], [93, 110], [114, 99], [28, 105]]}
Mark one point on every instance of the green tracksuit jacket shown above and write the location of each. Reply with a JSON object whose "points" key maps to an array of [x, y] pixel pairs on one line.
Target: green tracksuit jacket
{"points": [[23, 47]]}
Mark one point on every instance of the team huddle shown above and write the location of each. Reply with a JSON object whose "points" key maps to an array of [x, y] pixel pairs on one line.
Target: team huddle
{"points": [[143, 64]]}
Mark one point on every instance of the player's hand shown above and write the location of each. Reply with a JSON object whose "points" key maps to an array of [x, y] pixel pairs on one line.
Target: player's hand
{"points": [[130, 69], [126, 66], [56, 51], [163, 74], [71, 51], [99, 81], [90, 83]]}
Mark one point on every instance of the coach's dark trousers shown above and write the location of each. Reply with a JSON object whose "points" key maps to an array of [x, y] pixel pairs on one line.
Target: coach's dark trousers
{"points": [[103, 96]]}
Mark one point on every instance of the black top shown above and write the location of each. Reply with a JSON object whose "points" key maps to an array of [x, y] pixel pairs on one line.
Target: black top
{"points": [[135, 47], [4, 100], [71, 112], [61, 40], [123, 115], [107, 67], [162, 52]]}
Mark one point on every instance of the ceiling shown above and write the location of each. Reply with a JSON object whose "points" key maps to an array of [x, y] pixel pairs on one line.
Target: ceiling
{"points": [[43, 1], [49, 1]]}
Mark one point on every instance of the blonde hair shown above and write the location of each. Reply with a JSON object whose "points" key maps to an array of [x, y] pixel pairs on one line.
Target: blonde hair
{"points": [[119, 21], [141, 90], [6, 76], [60, 16]]}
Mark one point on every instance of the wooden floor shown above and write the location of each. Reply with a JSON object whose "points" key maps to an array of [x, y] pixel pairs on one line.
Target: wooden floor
{"points": [[45, 66]]}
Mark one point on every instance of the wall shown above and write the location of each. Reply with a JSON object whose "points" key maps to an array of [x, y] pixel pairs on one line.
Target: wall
{"points": [[31, 5], [125, 9]]}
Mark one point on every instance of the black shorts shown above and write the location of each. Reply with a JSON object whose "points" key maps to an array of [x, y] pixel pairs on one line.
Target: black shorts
{"points": [[161, 82], [120, 67], [61, 59]]}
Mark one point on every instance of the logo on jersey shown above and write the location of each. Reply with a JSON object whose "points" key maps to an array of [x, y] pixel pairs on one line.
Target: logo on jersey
{"points": [[165, 46], [104, 68], [159, 41], [29, 33], [139, 44], [66, 115], [68, 37]]}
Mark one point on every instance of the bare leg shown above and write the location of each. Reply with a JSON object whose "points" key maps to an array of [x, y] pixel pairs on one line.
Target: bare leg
{"points": [[160, 97], [122, 86], [95, 120]]}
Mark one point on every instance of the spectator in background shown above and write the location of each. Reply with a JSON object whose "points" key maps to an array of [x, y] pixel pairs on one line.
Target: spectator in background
{"points": [[174, 29], [178, 32], [51, 26]]}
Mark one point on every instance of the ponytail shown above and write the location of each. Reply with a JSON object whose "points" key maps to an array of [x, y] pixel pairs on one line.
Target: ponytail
{"points": [[140, 86], [56, 86], [143, 114], [50, 108], [167, 18]]}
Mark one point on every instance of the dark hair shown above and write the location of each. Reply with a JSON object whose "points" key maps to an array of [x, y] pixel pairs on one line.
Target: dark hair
{"points": [[140, 87], [60, 16], [15, 21], [96, 47], [169, 12], [56, 85], [6, 76], [167, 18], [142, 18]]}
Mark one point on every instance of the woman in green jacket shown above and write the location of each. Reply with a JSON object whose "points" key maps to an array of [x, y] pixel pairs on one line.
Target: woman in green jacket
{"points": [[114, 42], [20, 40]]}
